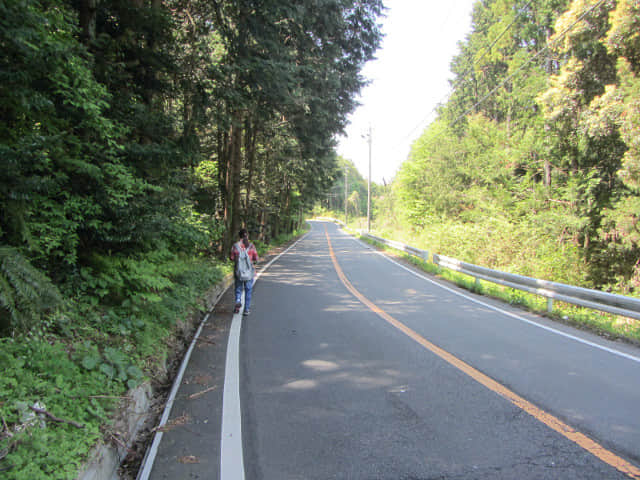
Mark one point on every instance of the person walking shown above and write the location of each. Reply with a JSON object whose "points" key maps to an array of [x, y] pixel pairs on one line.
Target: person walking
{"points": [[244, 255]]}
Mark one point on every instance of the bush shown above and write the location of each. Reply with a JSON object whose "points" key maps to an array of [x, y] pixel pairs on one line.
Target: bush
{"points": [[46, 375], [111, 334], [26, 293]]}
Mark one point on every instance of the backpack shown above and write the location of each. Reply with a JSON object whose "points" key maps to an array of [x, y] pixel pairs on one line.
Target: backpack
{"points": [[244, 267]]}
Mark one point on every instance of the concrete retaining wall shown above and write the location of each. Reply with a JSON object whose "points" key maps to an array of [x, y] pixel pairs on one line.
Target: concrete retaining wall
{"points": [[104, 460]]}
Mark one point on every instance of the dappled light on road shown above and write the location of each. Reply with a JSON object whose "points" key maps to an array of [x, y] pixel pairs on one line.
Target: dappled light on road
{"points": [[356, 374]]}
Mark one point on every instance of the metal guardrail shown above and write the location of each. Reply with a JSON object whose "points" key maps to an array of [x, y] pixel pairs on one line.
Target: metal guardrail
{"points": [[584, 297], [416, 252]]}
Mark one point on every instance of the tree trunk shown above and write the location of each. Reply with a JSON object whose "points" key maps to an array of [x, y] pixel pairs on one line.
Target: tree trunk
{"points": [[234, 169], [547, 173], [88, 19], [267, 229], [287, 206], [236, 181], [221, 149], [250, 148], [227, 154]]}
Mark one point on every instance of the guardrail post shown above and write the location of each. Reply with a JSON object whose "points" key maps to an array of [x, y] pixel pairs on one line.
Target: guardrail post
{"points": [[549, 304]]}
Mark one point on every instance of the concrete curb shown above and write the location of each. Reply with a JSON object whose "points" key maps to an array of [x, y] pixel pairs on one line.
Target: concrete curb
{"points": [[104, 460]]}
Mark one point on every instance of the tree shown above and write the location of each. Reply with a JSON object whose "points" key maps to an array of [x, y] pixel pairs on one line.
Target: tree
{"points": [[619, 108], [117, 116], [356, 189], [292, 64]]}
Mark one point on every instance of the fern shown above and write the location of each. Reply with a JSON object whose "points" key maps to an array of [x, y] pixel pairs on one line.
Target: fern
{"points": [[25, 292]]}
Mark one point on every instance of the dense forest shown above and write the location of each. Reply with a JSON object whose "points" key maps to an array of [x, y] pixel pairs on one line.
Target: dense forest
{"points": [[533, 164], [135, 127], [137, 137], [350, 189]]}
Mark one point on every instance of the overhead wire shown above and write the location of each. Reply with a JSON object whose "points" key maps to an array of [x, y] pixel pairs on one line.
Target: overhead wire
{"points": [[485, 51], [459, 80], [525, 64], [531, 59]]}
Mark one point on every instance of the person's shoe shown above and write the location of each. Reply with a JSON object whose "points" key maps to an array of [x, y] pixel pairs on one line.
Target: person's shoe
{"points": [[237, 308], [246, 312]]}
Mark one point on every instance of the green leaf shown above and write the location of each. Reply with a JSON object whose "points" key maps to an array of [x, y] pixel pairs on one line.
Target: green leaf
{"points": [[108, 370], [91, 361]]}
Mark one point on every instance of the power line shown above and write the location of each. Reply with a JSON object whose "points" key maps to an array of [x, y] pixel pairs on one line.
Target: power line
{"points": [[525, 64], [461, 78], [534, 57]]}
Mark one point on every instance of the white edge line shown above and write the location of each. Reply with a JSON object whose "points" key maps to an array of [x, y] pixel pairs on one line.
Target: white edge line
{"points": [[153, 450], [231, 451], [500, 310], [231, 454]]}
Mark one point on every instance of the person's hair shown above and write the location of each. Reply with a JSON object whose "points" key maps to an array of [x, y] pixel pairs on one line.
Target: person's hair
{"points": [[244, 235]]}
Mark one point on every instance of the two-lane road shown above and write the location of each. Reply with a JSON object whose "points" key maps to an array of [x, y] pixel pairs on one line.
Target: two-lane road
{"points": [[354, 367]]}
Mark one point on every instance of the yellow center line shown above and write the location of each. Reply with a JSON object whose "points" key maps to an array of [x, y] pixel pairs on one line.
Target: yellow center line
{"points": [[554, 423]]}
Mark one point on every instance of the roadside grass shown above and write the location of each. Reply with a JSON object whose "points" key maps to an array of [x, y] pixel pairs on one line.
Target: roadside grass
{"points": [[79, 364], [601, 323]]}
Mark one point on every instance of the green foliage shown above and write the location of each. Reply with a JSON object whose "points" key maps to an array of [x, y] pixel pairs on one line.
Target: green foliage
{"points": [[98, 351], [61, 171], [114, 364], [294, 72], [25, 292], [136, 138], [356, 190], [531, 165], [42, 373]]}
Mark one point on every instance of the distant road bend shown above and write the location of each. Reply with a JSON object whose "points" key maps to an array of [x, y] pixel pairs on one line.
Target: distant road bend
{"points": [[352, 366]]}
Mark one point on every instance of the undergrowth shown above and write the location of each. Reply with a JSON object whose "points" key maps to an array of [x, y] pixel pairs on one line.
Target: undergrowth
{"points": [[64, 379]]}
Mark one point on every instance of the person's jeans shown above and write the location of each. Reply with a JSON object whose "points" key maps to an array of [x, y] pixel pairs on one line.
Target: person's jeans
{"points": [[248, 288]]}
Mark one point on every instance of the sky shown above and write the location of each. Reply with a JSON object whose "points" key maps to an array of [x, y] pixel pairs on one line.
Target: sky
{"points": [[409, 79]]}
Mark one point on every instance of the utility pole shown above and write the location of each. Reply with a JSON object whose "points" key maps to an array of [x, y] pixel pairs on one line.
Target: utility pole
{"points": [[369, 139], [345, 195]]}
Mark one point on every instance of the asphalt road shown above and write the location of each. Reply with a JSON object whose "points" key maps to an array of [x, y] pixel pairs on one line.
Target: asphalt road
{"points": [[331, 389]]}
